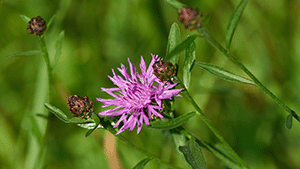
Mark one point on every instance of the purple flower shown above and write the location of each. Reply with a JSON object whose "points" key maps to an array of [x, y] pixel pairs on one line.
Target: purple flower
{"points": [[138, 97]]}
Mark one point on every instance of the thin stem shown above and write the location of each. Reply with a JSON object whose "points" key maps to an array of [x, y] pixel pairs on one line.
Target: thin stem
{"points": [[47, 60], [108, 127], [208, 37], [213, 129]]}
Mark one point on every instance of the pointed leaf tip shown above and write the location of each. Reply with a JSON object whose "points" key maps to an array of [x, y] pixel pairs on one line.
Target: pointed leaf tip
{"points": [[193, 155], [224, 74], [235, 18], [25, 18], [142, 163], [173, 123]]}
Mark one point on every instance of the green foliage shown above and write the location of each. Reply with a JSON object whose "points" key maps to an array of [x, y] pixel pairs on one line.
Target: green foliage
{"points": [[173, 41], [188, 64], [234, 20], [193, 155], [172, 123], [224, 74], [100, 36], [142, 163], [27, 53]]}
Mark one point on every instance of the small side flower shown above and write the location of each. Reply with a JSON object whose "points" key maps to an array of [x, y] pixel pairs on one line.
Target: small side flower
{"points": [[137, 97], [190, 17], [80, 106], [37, 26]]}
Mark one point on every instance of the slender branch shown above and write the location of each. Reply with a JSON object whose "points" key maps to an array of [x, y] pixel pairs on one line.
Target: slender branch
{"points": [[108, 127], [213, 129], [208, 37], [47, 60]]}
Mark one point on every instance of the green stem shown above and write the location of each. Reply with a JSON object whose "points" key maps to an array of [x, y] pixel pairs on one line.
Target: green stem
{"points": [[208, 37], [108, 127], [47, 60], [213, 129]]}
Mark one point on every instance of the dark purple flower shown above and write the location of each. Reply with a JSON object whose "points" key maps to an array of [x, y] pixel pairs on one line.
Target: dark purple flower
{"points": [[138, 97]]}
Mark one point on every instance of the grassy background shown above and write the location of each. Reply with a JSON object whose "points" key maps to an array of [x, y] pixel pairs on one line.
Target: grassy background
{"points": [[99, 35]]}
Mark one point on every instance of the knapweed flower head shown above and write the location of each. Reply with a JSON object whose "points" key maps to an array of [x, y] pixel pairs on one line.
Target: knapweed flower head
{"points": [[80, 106], [190, 17], [164, 71], [36, 26], [137, 97]]}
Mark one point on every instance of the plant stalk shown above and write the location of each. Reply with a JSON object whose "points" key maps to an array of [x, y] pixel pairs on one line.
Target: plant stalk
{"points": [[212, 128], [204, 33]]}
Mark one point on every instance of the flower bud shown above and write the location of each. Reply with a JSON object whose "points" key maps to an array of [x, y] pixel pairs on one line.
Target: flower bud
{"points": [[80, 106], [164, 71], [36, 26], [190, 17]]}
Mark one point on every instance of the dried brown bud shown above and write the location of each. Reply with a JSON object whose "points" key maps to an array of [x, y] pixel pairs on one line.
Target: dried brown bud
{"points": [[36, 26], [165, 71], [80, 106], [190, 17]]}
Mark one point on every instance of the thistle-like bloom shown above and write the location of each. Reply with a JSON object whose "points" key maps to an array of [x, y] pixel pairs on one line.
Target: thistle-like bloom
{"points": [[138, 97]]}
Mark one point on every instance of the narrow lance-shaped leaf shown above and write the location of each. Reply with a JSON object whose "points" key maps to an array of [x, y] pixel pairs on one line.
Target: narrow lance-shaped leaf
{"points": [[289, 121], [235, 18], [51, 20], [188, 64], [25, 18], [180, 47], [142, 163], [27, 53], [193, 155], [224, 74], [173, 41], [173, 123], [63, 117], [58, 47], [223, 155], [96, 119], [175, 4]]}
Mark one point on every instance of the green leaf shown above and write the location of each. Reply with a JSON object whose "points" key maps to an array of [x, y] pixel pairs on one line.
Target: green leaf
{"points": [[77, 120], [175, 4], [180, 47], [25, 18], [63, 117], [51, 20], [235, 18], [173, 41], [178, 139], [172, 123], [57, 112], [224, 155], [58, 46], [224, 74], [193, 155], [91, 130], [90, 125], [188, 64], [289, 121], [27, 53], [206, 20], [142, 163]]}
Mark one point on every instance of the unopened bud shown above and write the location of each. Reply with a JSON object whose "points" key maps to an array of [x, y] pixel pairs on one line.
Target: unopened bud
{"points": [[164, 71], [80, 106], [190, 17], [36, 26]]}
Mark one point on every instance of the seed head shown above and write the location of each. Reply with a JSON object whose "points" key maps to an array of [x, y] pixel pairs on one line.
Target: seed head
{"points": [[80, 106], [190, 17], [36, 26]]}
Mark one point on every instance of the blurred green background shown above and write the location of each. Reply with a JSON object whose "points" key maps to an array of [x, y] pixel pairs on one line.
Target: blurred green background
{"points": [[102, 34]]}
